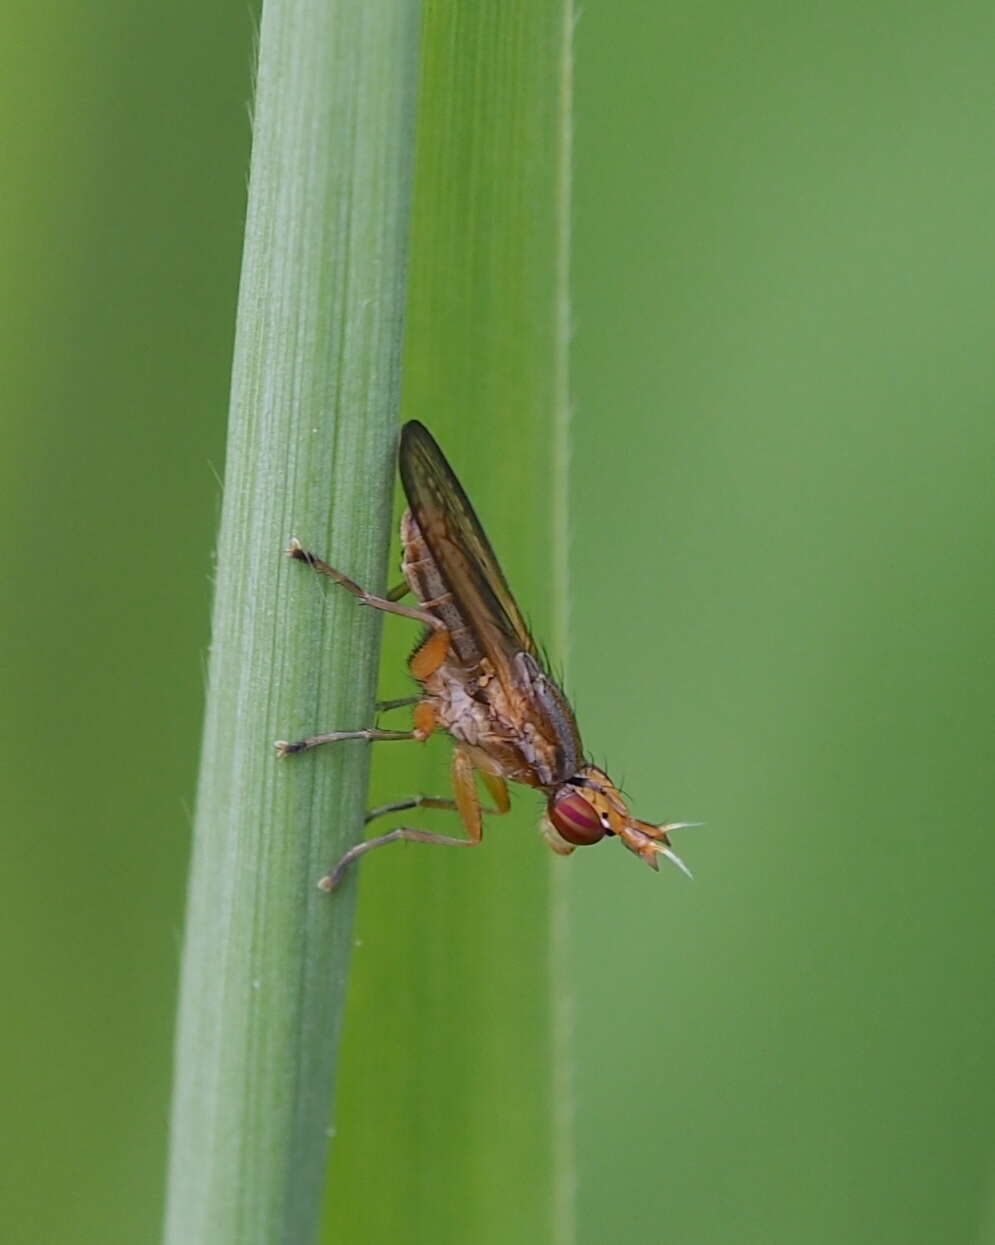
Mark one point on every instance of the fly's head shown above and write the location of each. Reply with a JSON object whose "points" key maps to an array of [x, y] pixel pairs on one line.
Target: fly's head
{"points": [[589, 807]]}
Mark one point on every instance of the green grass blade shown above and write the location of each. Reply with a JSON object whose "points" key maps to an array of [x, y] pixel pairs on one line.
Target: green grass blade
{"points": [[453, 1090], [310, 453]]}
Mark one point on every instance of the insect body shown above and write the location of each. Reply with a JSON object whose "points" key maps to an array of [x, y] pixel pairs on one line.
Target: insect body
{"points": [[483, 681]]}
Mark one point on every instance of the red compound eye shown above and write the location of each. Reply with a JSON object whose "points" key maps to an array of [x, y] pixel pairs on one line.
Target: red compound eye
{"points": [[575, 819]]}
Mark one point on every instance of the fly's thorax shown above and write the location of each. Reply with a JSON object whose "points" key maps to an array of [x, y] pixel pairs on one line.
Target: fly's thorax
{"points": [[457, 710], [471, 708], [563, 748]]}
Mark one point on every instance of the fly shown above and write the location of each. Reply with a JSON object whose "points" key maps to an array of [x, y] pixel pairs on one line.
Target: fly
{"points": [[483, 681]]}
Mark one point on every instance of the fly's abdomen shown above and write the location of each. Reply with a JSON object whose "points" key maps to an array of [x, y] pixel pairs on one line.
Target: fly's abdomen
{"points": [[426, 582]]}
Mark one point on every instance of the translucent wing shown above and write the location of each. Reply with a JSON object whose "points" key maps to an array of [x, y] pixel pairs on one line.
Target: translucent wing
{"points": [[459, 546], [481, 596]]}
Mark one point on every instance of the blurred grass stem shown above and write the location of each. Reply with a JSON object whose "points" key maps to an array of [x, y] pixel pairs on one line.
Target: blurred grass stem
{"points": [[457, 1043]]}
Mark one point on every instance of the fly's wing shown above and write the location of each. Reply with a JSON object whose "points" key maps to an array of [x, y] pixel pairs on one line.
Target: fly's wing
{"points": [[466, 562], [460, 548]]}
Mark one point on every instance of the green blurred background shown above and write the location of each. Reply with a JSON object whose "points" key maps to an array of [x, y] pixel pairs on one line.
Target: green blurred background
{"points": [[781, 616]]}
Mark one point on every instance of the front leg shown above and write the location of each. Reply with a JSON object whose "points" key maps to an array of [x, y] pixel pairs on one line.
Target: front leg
{"points": [[496, 786], [467, 804]]}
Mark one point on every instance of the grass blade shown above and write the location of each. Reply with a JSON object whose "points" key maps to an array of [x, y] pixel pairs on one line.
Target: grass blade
{"points": [[310, 453]]}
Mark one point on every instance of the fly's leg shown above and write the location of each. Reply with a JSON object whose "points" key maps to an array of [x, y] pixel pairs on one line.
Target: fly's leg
{"points": [[285, 749], [428, 658], [414, 801], [424, 725], [389, 604], [383, 706], [499, 792], [429, 655], [466, 803], [496, 786]]}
